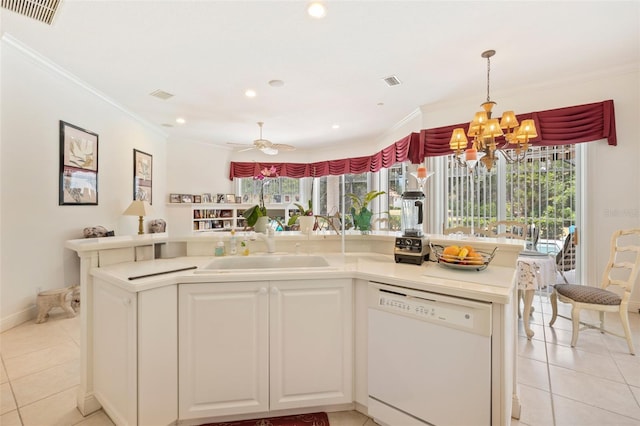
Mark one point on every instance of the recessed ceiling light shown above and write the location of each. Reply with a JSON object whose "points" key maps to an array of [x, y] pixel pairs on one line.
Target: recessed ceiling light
{"points": [[276, 83], [250, 93], [180, 120], [317, 9], [335, 126]]}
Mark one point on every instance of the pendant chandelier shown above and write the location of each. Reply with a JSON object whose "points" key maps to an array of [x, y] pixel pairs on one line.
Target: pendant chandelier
{"points": [[485, 131]]}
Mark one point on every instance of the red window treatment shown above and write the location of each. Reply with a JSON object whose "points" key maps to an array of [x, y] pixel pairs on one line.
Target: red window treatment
{"points": [[561, 126]]}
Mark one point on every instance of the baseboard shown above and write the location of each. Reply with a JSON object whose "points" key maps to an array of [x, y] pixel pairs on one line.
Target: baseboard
{"points": [[634, 306], [18, 318]]}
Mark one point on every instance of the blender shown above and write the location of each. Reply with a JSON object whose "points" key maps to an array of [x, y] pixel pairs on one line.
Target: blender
{"points": [[412, 247]]}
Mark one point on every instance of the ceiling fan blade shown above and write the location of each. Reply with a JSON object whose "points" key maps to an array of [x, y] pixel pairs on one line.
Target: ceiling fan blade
{"points": [[283, 147], [246, 149]]}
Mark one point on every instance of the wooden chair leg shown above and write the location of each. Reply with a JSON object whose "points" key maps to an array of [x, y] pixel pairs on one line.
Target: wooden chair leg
{"points": [[554, 307], [575, 327], [601, 322], [624, 318]]}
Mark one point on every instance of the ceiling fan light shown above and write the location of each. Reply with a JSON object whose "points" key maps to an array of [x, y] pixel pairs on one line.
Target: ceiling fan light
{"points": [[269, 151]]}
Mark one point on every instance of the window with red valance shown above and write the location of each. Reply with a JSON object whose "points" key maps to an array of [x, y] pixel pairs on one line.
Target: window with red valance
{"points": [[561, 126]]}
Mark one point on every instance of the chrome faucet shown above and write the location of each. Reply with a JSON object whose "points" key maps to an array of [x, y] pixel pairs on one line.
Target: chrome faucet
{"points": [[269, 239]]}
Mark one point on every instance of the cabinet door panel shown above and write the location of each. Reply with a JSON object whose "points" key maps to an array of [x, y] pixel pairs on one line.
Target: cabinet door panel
{"points": [[311, 343], [223, 349]]}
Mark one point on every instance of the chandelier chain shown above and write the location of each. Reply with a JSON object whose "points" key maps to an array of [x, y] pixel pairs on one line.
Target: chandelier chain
{"points": [[488, 72]]}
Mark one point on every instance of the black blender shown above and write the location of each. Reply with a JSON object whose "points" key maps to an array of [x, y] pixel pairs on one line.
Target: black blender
{"points": [[412, 246]]}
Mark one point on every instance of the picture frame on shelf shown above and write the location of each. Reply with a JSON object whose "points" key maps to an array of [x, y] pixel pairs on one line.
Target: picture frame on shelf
{"points": [[238, 199], [206, 197], [230, 198], [78, 183], [197, 199], [175, 198], [220, 198], [186, 198], [277, 198], [287, 199]]}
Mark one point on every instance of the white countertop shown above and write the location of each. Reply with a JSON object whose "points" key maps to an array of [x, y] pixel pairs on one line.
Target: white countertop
{"points": [[494, 284]]}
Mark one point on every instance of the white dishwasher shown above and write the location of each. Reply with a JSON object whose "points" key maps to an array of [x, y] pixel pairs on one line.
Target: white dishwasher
{"points": [[429, 358]]}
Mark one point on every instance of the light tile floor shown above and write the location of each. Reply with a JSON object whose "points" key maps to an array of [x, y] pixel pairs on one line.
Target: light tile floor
{"points": [[596, 383]]}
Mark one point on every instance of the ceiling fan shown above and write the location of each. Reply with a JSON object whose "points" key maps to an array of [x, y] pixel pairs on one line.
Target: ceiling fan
{"points": [[267, 146]]}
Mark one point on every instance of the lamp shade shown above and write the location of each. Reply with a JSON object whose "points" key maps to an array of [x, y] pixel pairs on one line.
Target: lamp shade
{"points": [[138, 208], [458, 140], [480, 118], [527, 130], [508, 120], [492, 129]]}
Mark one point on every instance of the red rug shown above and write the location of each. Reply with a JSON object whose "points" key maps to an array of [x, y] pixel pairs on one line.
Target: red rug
{"points": [[312, 419]]}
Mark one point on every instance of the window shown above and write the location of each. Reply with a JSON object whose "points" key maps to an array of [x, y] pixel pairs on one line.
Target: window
{"points": [[541, 191]]}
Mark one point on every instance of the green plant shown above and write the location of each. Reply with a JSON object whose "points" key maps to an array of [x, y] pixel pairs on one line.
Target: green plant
{"points": [[254, 212], [301, 212], [360, 211]]}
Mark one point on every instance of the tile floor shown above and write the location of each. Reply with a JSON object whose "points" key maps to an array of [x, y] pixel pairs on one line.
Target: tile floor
{"points": [[596, 383]]}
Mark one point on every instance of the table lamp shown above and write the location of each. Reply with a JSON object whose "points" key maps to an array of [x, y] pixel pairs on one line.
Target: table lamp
{"points": [[139, 208]]}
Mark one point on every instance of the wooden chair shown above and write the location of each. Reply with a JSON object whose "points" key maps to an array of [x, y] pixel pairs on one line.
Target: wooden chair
{"points": [[622, 271], [466, 230], [508, 229], [566, 258]]}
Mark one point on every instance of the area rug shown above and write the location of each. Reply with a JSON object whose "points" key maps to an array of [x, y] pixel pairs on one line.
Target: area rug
{"points": [[312, 419]]}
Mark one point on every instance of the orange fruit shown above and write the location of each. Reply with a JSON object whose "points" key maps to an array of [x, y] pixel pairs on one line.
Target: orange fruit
{"points": [[451, 251], [474, 258]]}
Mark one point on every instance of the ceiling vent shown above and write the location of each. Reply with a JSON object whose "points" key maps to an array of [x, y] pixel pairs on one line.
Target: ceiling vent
{"points": [[391, 81], [161, 94], [40, 10]]}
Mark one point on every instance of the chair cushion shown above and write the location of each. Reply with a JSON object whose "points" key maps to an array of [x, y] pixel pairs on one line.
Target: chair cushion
{"points": [[586, 294]]}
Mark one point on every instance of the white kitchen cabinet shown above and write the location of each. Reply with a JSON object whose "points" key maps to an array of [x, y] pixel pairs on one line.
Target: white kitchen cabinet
{"points": [[259, 346], [135, 354], [223, 351], [311, 335]]}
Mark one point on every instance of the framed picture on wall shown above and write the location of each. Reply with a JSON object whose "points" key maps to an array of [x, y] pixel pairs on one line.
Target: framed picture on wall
{"points": [[175, 198], [142, 176], [78, 166]]}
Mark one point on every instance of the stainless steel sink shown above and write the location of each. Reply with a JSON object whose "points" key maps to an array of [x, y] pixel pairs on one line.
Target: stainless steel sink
{"points": [[243, 263]]}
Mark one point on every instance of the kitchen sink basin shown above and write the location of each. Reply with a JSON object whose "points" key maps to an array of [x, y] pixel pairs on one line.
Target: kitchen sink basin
{"points": [[266, 262]]}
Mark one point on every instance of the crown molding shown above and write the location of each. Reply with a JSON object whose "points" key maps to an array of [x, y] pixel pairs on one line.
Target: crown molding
{"points": [[8, 40]]}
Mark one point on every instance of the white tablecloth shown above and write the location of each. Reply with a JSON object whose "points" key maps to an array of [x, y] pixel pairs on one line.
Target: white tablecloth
{"points": [[536, 272]]}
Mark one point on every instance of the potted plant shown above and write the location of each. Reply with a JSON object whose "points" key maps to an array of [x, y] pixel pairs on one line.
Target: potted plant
{"points": [[254, 213], [304, 216], [360, 211]]}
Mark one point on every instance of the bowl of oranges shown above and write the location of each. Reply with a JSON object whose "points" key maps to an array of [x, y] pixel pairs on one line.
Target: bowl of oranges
{"points": [[462, 257]]}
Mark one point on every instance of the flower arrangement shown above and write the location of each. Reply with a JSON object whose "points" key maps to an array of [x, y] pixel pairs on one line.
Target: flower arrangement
{"points": [[253, 213]]}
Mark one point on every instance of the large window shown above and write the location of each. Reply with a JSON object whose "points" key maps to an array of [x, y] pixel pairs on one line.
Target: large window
{"points": [[540, 191]]}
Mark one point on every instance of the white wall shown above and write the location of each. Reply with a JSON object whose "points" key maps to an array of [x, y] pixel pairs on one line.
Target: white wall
{"points": [[33, 226]]}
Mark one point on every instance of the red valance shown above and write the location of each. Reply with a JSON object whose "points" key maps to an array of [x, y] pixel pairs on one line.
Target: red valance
{"points": [[396, 153], [562, 126]]}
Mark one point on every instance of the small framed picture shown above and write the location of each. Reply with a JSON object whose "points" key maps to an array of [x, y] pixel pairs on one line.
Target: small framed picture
{"points": [[287, 199], [230, 198], [197, 199], [277, 198], [175, 198], [142, 176], [78, 166], [187, 198], [206, 197], [238, 199], [220, 198], [245, 198]]}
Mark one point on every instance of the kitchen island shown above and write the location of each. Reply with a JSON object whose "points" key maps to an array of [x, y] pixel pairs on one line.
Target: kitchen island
{"points": [[148, 345]]}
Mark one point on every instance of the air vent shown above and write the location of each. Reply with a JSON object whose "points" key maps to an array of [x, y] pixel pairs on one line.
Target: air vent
{"points": [[161, 94], [40, 10], [391, 80]]}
